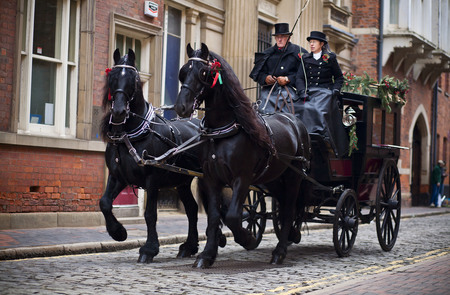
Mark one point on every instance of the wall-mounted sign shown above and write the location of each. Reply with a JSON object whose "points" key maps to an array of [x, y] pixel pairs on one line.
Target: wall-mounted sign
{"points": [[151, 9]]}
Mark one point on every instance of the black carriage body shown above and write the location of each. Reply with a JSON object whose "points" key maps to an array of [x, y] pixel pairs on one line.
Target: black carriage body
{"points": [[378, 133]]}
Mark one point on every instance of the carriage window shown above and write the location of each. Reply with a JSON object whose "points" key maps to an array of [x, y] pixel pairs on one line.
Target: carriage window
{"points": [[389, 137], [49, 66], [377, 128]]}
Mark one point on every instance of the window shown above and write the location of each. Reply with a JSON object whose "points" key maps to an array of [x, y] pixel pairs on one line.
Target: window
{"points": [[49, 58], [172, 58], [393, 12], [124, 43]]}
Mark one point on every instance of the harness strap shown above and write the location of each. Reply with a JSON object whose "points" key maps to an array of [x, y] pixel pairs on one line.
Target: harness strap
{"points": [[285, 102], [221, 132]]}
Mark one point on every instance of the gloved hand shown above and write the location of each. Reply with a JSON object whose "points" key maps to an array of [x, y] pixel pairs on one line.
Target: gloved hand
{"points": [[337, 98], [270, 80], [336, 93], [303, 95], [282, 80]]}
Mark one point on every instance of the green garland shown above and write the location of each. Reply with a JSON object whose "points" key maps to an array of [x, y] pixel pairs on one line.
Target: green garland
{"points": [[389, 89], [353, 145]]}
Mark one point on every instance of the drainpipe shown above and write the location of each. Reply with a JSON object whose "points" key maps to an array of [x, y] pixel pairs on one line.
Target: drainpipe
{"points": [[380, 41], [434, 127]]}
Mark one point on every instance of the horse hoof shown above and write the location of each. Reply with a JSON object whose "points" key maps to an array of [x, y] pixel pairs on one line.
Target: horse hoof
{"points": [[184, 253], [277, 259], [203, 263], [295, 236], [252, 245], [222, 241], [119, 233], [144, 258]]}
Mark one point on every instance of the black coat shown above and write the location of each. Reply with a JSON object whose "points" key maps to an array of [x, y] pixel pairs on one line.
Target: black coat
{"points": [[266, 62], [319, 73]]}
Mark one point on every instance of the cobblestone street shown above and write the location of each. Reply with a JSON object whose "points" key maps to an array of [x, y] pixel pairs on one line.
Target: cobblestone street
{"points": [[310, 266]]}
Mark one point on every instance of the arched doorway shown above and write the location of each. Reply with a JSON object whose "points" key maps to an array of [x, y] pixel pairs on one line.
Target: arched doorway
{"points": [[416, 167], [419, 163]]}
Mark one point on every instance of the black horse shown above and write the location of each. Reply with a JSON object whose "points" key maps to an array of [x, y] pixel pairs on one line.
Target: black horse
{"points": [[130, 127], [243, 149]]}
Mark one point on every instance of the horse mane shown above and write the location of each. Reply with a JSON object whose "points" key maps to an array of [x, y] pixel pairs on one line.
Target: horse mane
{"points": [[246, 114], [110, 77]]}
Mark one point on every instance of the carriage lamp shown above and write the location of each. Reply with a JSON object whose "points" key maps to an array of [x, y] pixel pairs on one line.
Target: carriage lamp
{"points": [[349, 119]]}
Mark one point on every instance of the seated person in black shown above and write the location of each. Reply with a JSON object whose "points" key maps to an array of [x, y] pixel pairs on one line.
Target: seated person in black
{"points": [[318, 81], [275, 70]]}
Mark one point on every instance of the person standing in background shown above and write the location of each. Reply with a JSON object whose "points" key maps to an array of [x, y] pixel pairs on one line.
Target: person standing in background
{"points": [[436, 180]]}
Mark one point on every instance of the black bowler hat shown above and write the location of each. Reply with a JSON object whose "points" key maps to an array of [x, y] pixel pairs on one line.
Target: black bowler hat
{"points": [[282, 29], [316, 35]]}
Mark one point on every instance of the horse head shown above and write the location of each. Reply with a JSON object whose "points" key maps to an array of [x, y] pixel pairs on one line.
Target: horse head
{"points": [[123, 85], [197, 76]]}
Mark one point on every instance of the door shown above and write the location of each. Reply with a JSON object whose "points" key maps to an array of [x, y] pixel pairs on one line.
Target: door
{"points": [[416, 168]]}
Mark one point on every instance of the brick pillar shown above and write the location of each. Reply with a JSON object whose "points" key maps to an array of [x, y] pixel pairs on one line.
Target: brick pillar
{"points": [[365, 27]]}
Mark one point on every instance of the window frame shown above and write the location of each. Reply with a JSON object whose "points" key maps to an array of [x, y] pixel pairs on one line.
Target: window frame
{"points": [[63, 66], [182, 48]]}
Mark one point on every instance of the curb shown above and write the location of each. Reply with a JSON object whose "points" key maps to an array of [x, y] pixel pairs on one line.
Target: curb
{"points": [[112, 246]]}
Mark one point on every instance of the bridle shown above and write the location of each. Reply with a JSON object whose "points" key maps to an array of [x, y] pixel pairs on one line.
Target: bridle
{"points": [[120, 90], [197, 102]]}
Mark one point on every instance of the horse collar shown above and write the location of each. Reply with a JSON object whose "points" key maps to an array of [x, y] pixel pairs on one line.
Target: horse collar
{"points": [[221, 132]]}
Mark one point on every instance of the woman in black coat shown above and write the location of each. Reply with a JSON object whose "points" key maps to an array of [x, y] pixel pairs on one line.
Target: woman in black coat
{"points": [[318, 81]]}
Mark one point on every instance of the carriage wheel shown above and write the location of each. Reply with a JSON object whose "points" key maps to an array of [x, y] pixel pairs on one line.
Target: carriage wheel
{"points": [[388, 204], [254, 214], [277, 222], [345, 225]]}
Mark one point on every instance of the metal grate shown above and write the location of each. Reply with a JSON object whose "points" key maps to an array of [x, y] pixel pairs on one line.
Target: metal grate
{"points": [[229, 267]]}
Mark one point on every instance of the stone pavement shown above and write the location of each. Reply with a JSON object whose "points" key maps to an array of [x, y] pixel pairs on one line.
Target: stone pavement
{"points": [[171, 227]]}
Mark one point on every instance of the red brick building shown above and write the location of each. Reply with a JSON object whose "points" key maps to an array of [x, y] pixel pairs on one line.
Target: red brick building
{"points": [[410, 40]]}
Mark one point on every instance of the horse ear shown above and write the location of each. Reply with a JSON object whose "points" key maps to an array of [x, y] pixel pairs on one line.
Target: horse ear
{"points": [[205, 52], [131, 56], [189, 50], [116, 56]]}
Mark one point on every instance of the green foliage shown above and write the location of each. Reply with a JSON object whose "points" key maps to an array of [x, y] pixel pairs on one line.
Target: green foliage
{"points": [[353, 145], [389, 89]]}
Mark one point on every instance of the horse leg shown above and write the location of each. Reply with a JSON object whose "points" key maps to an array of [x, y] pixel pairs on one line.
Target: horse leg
{"points": [[190, 247], [233, 218], [213, 234], [151, 246], [113, 226], [222, 239], [287, 214]]}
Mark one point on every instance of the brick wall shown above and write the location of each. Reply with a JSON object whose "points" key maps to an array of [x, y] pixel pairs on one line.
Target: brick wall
{"points": [[133, 9], [49, 180], [7, 48], [364, 55]]}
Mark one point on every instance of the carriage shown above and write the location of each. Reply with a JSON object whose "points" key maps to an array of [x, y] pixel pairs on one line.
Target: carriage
{"points": [[346, 191], [303, 178]]}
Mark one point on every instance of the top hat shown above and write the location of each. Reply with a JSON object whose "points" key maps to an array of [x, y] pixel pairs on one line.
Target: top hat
{"points": [[282, 29], [316, 35]]}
